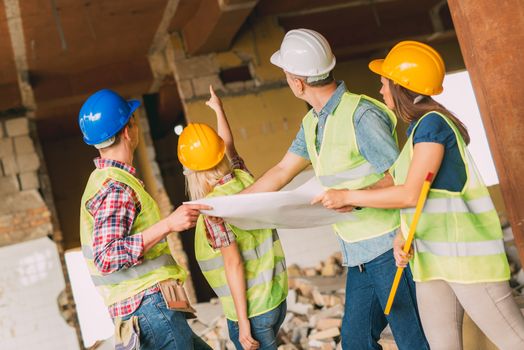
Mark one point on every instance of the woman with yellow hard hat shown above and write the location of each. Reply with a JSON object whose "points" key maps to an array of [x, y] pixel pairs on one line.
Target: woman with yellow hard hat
{"points": [[458, 260], [245, 268]]}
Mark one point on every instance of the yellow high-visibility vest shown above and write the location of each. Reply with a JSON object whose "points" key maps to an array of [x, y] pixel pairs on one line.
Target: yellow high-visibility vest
{"points": [[458, 236], [339, 164], [264, 263], [158, 263]]}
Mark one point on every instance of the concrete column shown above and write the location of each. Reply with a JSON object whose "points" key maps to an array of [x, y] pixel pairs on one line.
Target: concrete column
{"points": [[492, 42]]}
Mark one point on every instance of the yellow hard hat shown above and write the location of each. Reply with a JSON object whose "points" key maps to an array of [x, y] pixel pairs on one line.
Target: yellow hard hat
{"points": [[413, 65], [200, 147]]}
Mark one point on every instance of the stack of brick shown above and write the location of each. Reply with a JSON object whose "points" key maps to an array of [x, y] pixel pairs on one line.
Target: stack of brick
{"points": [[23, 213], [194, 74]]}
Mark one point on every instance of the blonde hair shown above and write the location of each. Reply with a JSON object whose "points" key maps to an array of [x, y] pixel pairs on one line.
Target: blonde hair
{"points": [[200, 183]]}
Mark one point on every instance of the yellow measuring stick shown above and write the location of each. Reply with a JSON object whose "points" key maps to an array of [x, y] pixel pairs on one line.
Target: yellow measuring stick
{"points": [[407, 246]]}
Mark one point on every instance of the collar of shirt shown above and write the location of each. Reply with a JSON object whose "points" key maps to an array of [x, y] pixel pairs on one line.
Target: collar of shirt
{"points": [[410, 127], [333, 101], [226, 178], [102, 163]]}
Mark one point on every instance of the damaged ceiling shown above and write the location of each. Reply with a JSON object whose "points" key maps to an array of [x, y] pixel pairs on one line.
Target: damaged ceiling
{"points": [[54, 53]]}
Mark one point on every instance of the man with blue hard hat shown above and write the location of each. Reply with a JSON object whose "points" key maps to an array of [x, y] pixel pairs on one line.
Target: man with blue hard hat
{"points": [[123, 237]]}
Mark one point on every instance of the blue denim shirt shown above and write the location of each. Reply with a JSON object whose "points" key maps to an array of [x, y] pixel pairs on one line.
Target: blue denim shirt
{"points": [[373, 131]]}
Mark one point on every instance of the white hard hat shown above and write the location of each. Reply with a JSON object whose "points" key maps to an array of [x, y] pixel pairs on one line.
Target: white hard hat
{"points": [[306, 53]]}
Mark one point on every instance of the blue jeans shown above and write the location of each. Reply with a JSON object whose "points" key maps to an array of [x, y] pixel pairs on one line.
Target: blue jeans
{"points": [[367, 291], [162, 328], [264, 328]]}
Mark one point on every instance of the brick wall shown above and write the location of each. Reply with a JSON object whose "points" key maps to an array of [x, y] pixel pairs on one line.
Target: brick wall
{"points": [[27, 216], [252, 48], [23, 213]]}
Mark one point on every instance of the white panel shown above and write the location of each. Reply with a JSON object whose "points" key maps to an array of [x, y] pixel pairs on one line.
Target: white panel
{"points": [[30, 282], [459, 98], [94, 319]]}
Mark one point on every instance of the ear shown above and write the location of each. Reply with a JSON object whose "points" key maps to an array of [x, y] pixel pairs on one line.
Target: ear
{"points": [[125, 132], [299, 85]]}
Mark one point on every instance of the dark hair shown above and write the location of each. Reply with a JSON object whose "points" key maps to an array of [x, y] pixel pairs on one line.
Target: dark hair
{"points": [[326, 81], [118, 135], [407, 110]]}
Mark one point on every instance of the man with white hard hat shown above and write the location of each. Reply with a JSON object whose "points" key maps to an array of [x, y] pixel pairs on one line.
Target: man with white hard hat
{"points": [[350, 140]]}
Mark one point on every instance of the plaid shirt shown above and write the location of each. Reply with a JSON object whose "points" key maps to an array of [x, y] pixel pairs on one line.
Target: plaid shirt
{"points": [[220, 235], [114, 208]]}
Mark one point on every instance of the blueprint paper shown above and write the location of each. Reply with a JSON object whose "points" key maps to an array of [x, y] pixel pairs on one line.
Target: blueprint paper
{"points": [[284, 209]]}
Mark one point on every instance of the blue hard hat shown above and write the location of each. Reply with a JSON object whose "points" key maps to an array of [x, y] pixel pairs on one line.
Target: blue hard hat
{"points": [[103, 115]]}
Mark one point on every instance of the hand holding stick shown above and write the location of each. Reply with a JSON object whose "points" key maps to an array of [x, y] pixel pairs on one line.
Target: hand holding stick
{"points": [[407, 246]]}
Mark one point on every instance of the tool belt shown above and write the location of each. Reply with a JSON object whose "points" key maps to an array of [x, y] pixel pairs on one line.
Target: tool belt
{"points": [[175, 297], [127, 334]]}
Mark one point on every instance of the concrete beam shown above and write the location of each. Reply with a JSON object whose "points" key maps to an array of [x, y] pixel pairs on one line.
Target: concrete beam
{"points": [[334, 7], [16, 34], [492, 45], [11, 98], [348, 52], [215, 24], [156, 55]]}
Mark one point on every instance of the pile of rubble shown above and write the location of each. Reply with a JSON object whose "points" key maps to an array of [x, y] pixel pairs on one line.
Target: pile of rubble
{"points": [[515, 266], [315, 308]]}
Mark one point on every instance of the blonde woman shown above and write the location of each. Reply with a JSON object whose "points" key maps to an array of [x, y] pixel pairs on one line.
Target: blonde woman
{"points": [[458, 262], [246, 269]]}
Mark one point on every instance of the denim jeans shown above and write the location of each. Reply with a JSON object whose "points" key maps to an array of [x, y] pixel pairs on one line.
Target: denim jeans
{"points": [[367, 291], [264, 328], [162, 328]]}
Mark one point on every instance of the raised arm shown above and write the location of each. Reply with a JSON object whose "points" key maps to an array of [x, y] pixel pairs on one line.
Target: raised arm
{"points": [[279, 175], [224, 130]]}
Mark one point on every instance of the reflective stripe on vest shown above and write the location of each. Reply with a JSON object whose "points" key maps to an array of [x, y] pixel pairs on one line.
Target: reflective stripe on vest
{"points": [[87, 251], [262, 259], [339, 164], [460, 248], [455, 205], [157, 264], [458, 238], [263, 277], [134, 272], [251, 254], [358, 172]]}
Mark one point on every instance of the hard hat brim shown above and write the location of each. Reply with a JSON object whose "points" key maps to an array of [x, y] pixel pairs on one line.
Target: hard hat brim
{"points": [[276, 59], [376, 67], [133, 105]]}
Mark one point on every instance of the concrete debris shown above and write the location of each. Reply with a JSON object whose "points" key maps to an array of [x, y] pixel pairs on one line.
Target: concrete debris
{"points": [[515, 266]]}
